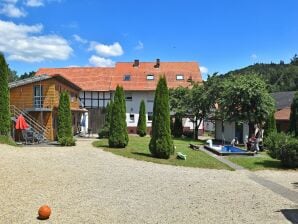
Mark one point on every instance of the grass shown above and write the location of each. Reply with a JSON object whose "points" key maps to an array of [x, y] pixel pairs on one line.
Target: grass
{"points": [[138, 149], [7, 140], [257, 163]]}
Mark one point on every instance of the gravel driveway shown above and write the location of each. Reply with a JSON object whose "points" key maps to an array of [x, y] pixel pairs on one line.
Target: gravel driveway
{"points": [[84, 184]]}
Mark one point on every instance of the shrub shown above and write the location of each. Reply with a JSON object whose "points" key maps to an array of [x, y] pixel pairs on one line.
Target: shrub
{"points": [[283, 147], [178, 127], [142, 129], [118, 136], [274, 142], [289, 154], [161, 143], [67, 141], [103, 132], [188, 133]]}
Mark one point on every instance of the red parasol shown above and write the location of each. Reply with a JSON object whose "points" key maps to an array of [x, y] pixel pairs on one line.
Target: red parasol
{"points": [[21, 123]]}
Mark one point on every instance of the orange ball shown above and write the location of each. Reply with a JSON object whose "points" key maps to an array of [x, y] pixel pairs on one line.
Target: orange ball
{"points": [[44, 212]]}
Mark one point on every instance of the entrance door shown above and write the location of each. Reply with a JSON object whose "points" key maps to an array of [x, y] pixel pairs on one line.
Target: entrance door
{"points": [[239, 131]]}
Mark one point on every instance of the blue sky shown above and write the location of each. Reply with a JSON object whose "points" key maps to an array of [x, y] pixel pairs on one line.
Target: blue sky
{"points": [[221, 35]]}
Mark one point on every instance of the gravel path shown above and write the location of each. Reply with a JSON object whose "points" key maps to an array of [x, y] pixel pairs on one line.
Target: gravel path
{"points": [[83, 184]]}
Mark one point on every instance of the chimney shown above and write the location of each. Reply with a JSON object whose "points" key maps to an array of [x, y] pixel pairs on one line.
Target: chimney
{"points": [[157, 63], [136, 63]]}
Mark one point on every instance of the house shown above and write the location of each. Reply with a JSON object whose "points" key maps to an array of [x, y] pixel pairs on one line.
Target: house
{"points": [[283, 102], [226, 131], [139, 80], [37, 98]]}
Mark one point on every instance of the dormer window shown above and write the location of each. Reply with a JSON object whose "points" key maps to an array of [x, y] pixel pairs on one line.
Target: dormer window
{"points": [[126, 77], [150, 77], [179, 77]]}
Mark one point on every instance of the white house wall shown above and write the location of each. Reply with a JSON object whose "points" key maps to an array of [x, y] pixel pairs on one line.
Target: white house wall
{"points": [[229, 131]]}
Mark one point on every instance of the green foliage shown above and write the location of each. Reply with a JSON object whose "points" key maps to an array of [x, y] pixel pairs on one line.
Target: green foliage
{"points": [[178, 127], [27, 75], [178, 99], [118, 137], [141, 128], [294, 116], [105, 131], [67, 141], [246, 99], [65, 135], [274, 142], [270, 125], [283, 147], [289, 154], [4, 98], [161, 143], [278, 77], [7, 140]]}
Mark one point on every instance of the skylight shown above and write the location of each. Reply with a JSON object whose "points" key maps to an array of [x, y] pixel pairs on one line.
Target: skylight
{"points": [[127, 77], [150, 77], [180, 77]]}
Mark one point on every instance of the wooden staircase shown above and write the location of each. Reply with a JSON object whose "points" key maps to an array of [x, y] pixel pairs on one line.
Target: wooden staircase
{"points": [[37, 128]]}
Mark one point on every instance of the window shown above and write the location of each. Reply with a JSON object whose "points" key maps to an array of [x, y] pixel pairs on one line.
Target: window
{"points": [[127, 77], [132, 118], [150, 116], [179, 77], [150, 77], [38, 96]]}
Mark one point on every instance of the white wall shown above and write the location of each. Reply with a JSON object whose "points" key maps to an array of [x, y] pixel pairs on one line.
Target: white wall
{"points": [[133, 106], [229, 130]]}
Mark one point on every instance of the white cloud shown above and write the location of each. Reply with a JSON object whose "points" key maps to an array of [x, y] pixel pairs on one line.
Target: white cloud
{"points": [[112, 50], [80, 39], [11, 10], [24, 43], [139, 46], [101, 62], [203, 69], [253, 56], [34, 3]]}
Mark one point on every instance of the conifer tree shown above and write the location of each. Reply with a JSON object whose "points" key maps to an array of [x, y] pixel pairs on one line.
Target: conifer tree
{"points": [[105, 130], [270, 125], [118, 136], [142, 129], [161, 143], [294, 116], [65, 135], [4, 98]]}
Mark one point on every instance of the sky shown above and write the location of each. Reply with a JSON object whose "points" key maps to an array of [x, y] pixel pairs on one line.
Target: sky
{"points": [[221, 35]]}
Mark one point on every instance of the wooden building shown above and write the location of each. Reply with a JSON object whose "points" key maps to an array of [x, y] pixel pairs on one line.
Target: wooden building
{"points": [[38, 98]]}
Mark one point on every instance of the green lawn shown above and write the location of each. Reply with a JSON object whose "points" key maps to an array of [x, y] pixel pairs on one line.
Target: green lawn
{"points": [[7, 140], [138, 149], [256, 163]]}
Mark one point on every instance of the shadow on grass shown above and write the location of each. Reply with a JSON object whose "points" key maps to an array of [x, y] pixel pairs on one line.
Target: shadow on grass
{"points": [[272, 164], [143, 154], [290, 214]]}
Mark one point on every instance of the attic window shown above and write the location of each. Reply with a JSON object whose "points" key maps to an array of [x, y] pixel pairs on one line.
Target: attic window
{"points": [[150, 77], [127, 77], [180, 77]]}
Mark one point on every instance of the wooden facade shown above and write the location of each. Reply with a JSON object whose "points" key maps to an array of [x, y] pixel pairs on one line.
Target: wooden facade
{"points": [[40, 99]]}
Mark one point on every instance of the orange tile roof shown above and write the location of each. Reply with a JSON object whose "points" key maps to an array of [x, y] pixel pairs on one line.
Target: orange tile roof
{"points": [[283, 114], [106, 79]]}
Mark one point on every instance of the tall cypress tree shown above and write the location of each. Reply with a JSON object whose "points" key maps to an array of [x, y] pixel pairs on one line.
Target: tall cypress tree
{"points": [[4, 98], [161, 143], [270, 125], [142, 129], [294, 116], [65, 135], [118, 137]]}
